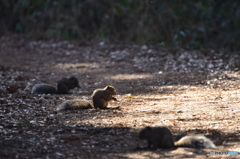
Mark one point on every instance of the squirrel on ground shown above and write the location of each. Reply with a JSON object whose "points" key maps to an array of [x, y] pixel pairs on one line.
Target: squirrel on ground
{"points": [[100, 99], [63, 86], [161, 137]]}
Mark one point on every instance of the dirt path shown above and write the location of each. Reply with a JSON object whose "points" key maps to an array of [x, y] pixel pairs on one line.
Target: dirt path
{"points": [[195, 92]]}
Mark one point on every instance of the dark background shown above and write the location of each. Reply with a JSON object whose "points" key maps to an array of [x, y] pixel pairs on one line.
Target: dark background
{"points": [[197, 24]]}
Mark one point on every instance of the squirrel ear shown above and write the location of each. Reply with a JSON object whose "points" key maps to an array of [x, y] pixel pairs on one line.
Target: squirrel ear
{"points": [[72, 77], [148, 128]]}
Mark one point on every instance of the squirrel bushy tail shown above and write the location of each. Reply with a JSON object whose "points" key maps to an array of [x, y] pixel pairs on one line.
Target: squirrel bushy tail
{"points": [[43, 89], [195, 141], [74, 105]]}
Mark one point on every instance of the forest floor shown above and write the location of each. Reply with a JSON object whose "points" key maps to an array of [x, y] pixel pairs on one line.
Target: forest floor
{"points": [[190, 92]]}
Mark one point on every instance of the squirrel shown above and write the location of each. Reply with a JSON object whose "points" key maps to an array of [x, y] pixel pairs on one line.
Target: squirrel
{"points": [[161, 137], [100, 99], [63, 86]]}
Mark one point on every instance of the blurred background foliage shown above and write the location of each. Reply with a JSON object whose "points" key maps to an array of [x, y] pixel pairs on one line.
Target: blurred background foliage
{"points": [[192, 24]]}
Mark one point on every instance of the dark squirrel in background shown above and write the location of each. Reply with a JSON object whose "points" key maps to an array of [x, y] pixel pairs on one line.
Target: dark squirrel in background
{"points": [[64, 85], [161, 137]]}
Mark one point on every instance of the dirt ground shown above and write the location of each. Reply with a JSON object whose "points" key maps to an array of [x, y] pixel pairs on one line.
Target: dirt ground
{"points": [[190, 92]]}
